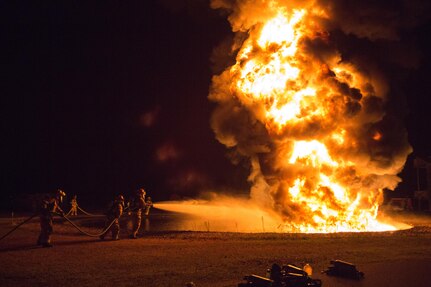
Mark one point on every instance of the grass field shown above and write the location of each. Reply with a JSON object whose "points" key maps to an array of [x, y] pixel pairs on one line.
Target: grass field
{"points": [[173, 258]]}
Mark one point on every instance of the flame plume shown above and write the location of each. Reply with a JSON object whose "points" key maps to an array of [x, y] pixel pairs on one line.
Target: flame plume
{"points": [[311, 123]]}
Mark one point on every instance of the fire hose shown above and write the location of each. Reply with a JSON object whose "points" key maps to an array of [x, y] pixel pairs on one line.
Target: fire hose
{"points": [[89, 234], [68, 212], [86, 233], [70, 221], [16, 227], [82, 210], [85, 212]]}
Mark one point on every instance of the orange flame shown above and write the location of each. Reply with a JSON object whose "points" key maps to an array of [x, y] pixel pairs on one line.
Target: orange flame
{"points": [[311, 108]]}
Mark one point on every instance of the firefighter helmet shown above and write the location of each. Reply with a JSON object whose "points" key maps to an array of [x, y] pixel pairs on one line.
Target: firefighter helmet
{"points": [[61, 193]]}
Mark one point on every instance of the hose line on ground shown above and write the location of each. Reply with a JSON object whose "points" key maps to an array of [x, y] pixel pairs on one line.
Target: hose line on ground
{"points": [[67, 214], [82, 210], [65, 217], [16, 227], [85, 212], [89, 234]]}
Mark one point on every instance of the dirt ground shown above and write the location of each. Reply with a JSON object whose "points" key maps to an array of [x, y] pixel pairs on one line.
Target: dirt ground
{"points": [[173, 258]]}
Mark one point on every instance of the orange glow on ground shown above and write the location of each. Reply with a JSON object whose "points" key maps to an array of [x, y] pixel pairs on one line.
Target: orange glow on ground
{"points": [[237, 215]]}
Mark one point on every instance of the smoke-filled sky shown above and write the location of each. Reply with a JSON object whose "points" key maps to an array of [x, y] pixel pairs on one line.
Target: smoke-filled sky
{"points": [[102, 98]]}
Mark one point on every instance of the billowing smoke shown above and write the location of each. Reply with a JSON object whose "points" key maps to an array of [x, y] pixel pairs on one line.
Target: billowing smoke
{"points": [[312, 108]]}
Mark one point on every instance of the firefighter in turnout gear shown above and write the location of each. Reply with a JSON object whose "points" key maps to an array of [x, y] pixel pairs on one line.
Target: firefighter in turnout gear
{"points": [[137, 206], [49, 206], [148, 205], [74, 206], [113, 215]]}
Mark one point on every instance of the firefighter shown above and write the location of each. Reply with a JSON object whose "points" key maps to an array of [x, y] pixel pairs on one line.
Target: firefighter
{"points": [[113, 215], [137, 206], [74, 206], [148, 205], [49, 206]]}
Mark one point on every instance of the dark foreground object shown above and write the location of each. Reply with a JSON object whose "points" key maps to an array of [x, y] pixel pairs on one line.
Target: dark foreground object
{"points": [[344, 269], [286, 276]]}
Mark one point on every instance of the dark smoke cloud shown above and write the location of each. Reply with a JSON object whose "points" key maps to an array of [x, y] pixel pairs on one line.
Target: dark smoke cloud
{"points": [[376, 19], [375, 24], [372, 36]]}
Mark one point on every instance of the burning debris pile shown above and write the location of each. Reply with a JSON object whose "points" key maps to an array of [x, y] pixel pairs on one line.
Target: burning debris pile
{"points": [[309, 115]]}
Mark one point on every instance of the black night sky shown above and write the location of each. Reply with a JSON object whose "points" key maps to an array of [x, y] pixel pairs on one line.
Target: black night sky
{"points": [[102, 97]]}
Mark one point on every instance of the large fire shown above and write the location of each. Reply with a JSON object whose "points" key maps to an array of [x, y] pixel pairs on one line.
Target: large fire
{"points": [[310, 122]]}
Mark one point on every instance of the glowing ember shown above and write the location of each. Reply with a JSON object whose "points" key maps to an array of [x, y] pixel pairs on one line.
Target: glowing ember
{"points": [[306, 119]]}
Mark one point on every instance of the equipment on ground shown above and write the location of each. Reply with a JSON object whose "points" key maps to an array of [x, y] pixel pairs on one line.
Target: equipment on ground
{"points": [[343, 269], [287, 275]]}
